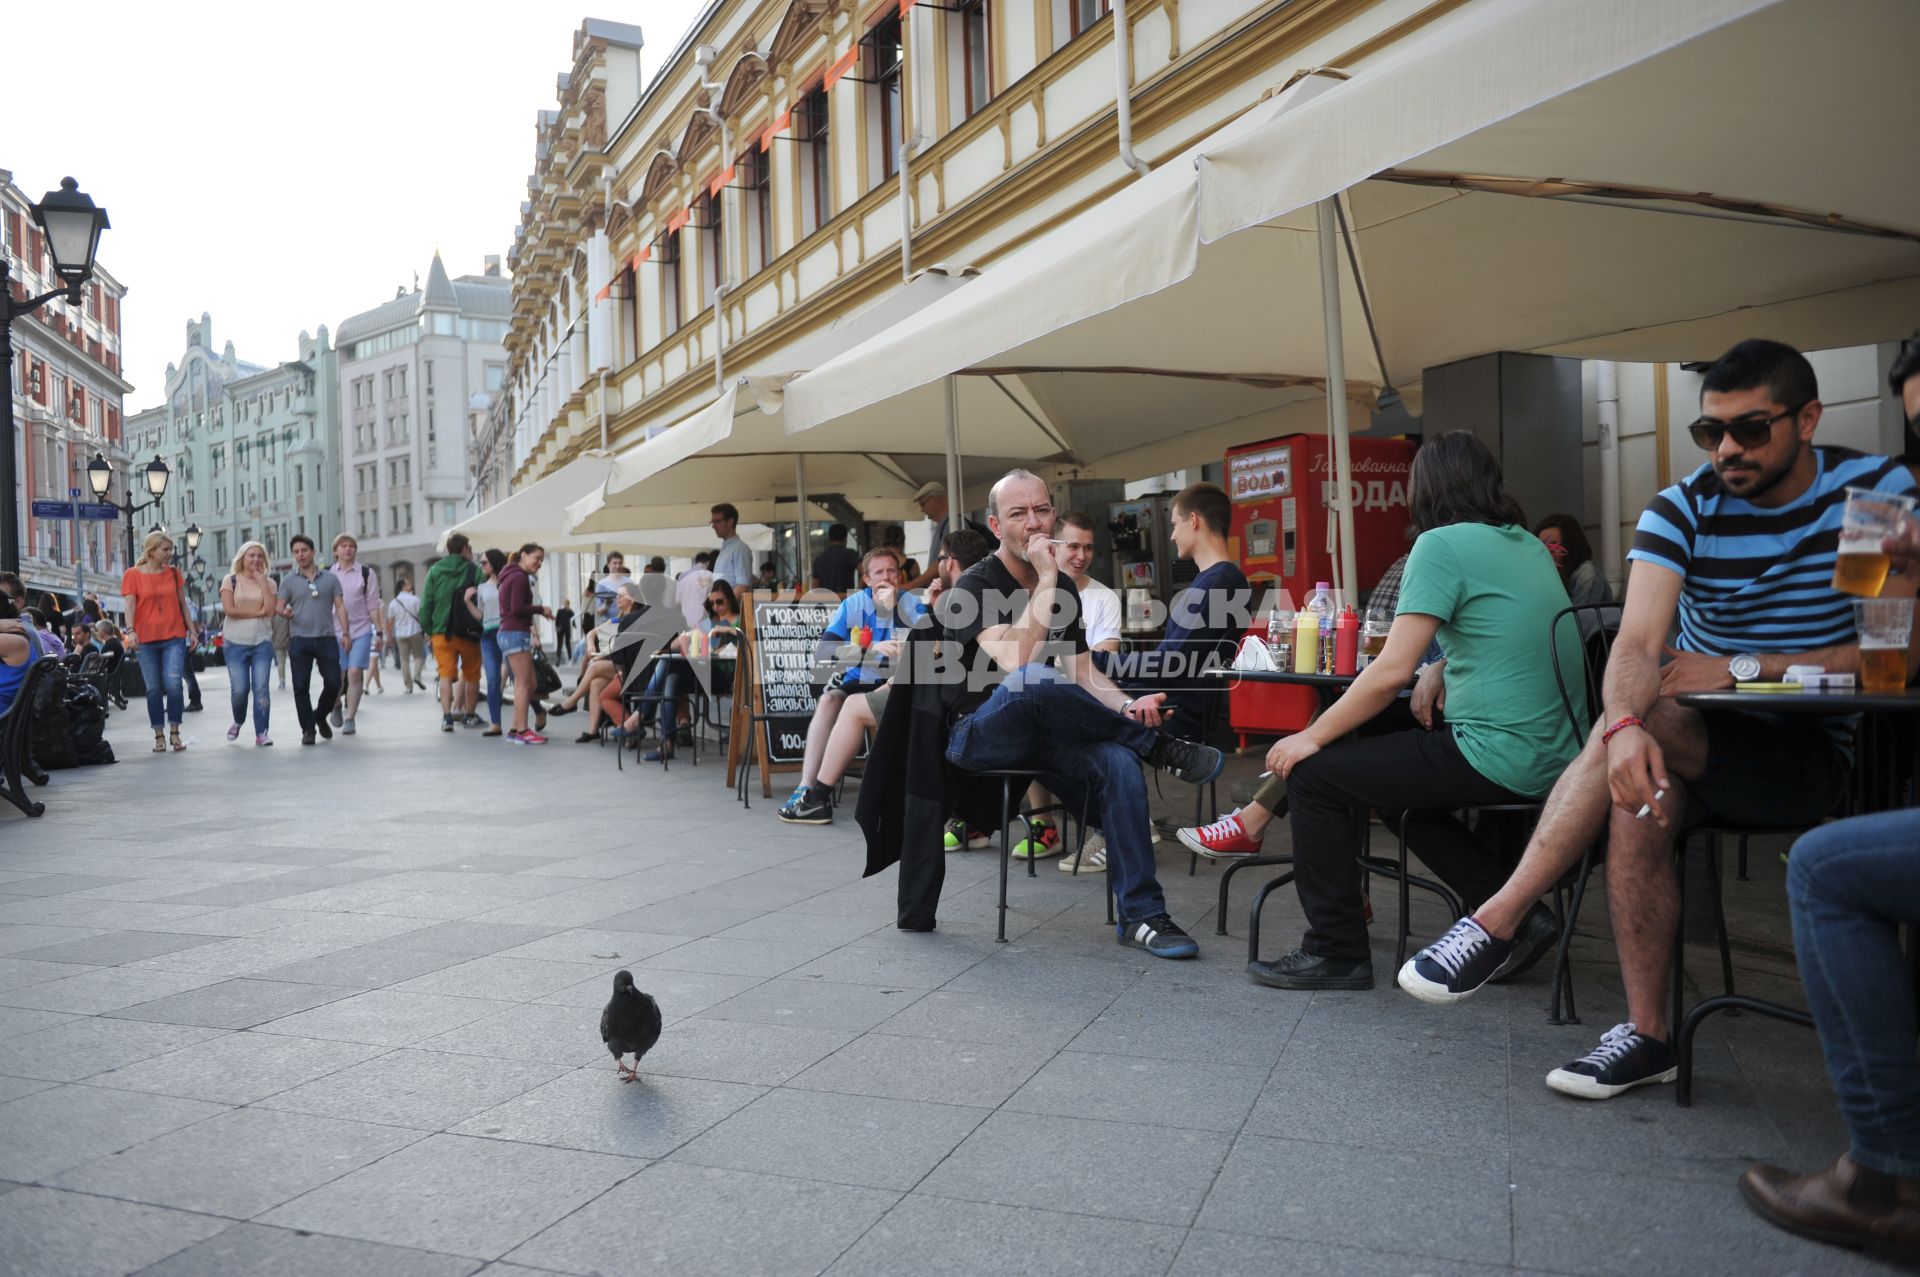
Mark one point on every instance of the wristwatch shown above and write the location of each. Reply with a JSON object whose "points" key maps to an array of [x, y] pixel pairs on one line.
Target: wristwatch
{"points": [[1745, 667]]}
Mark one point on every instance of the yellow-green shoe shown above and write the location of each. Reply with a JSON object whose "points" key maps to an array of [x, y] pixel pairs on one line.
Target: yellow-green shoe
{"points": [[1043, 841]]}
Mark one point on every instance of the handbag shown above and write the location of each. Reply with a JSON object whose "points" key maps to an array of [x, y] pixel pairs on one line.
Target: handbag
{"points": [[546, 679]]}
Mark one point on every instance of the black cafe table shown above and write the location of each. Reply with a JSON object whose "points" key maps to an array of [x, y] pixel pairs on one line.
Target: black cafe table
{"points": [[1877, 708]]}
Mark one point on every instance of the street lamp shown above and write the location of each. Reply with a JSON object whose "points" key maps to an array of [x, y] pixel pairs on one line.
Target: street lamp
{"points": [[72, 223], [100, 476]]}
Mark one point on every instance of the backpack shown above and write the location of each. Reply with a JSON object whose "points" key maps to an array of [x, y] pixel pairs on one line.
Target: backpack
{"points": [[462, 624], [87, 725], [52, 748]]}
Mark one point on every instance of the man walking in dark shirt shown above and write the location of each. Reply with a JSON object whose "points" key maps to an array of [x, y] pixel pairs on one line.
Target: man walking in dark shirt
{"points": [[834, 568]]}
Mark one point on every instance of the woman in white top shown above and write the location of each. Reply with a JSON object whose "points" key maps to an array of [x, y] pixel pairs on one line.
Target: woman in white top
{"points": [[403, 624], [250, 599], [484, 600]]}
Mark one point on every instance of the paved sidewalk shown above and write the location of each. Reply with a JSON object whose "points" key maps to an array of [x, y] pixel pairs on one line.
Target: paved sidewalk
{"points": [[333, 1010]]}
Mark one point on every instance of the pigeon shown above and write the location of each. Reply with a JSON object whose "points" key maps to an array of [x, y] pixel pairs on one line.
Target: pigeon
{"points": [[631, 1023]]}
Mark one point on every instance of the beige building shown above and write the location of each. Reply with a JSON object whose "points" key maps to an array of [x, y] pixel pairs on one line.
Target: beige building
{"points": [[792, 161]]}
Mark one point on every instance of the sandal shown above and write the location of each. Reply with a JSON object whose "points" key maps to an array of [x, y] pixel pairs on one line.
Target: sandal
{"points": [[173, 738], [159, 742]]}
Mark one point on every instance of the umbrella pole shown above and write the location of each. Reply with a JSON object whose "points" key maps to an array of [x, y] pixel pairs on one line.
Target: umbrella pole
{"points": [[800, 528], [1326, 218], [956, 501]]}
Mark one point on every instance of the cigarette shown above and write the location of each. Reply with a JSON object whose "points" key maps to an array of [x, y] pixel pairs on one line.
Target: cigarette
{"points": [[1646, 809]]}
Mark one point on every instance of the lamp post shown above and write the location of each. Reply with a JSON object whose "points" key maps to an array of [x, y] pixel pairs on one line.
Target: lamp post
{"points": [[100, 476], [72, 224]]}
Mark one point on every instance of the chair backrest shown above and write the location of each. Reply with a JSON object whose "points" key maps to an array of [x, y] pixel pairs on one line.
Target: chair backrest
{"points": [[1598, 625]]}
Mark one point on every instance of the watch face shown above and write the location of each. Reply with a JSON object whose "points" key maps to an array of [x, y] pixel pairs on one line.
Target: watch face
{"points": [[1744, 668]]}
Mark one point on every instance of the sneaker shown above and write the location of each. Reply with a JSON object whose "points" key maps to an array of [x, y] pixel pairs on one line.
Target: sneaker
{"points": [[1185, 760], [233, 733], [326, 733], [1624, 1059], [532, 738], [808, 806], [959, 835], [446, 722], [1159, 935], [471, 720], [347, 728], [1043, 841], [261, 740], [1455, 965], [1225, 839], [1302, 970], [1090, 859], [1539, 933], [335, 718]]}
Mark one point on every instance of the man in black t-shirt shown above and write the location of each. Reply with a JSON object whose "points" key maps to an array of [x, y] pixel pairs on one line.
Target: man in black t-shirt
{"points": [[1207, 616], [836, 568], [1025, 695]]}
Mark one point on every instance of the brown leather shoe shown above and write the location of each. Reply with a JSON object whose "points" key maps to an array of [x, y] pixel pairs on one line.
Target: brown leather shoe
{"points": [[1846, 1204]]}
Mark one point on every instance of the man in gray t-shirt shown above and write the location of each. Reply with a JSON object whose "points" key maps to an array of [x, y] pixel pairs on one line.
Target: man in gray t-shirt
{"points": [[317, 614]]}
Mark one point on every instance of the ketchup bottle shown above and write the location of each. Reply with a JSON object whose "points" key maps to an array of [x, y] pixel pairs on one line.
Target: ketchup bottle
{"points": [[1346, 642]]}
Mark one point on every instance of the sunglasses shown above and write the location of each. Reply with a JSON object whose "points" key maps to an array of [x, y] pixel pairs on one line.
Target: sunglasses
{"points": [[1750, 431], [313, 591]]}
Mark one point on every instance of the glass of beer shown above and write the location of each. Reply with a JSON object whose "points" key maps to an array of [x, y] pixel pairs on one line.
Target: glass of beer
{"points": [[1883, 626], [1870, 518]]}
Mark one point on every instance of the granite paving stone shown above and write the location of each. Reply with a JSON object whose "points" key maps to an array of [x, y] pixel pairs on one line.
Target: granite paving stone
{"points": [[797, 1002], [458, 1195], [237, 1163], [945, 1237], [385, 1017], [738, 1051], [429, 1090], [675, 1218], [114, 947], [592, 1110], [976, 1073], [76, 1235], [249, 1250], [844, 1139], [365, 966], [238, 1068], [86, 1047], [99, 989], [1115, 1088], [235, 1004], [49, 1131]]}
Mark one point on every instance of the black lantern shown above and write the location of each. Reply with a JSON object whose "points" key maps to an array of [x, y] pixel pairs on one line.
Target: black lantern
{"points": [[157, 476], [72, 222], [99, 475]]}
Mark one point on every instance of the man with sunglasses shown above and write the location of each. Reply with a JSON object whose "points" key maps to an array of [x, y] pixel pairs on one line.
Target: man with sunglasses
{"points": [[312, 602], [1739, 555]]}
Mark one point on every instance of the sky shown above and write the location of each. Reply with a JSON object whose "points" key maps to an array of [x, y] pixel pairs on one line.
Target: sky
{"points": [[282, 167]]}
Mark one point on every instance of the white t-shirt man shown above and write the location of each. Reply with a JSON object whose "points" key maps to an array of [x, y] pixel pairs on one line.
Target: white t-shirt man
{"points": [[404, 614], [1099, 611], [690, 592]]}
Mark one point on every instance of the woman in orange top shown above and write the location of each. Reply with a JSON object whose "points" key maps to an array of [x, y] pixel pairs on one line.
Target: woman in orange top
{"points": [[156, 596]]}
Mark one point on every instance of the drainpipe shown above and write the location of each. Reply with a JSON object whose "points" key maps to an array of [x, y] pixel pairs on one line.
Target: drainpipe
{"points": [[1123, 86], [1607, 382], [910, 141]]}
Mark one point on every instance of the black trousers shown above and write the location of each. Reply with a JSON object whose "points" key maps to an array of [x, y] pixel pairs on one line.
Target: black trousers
{"points": [[305, 653], [1417, 771]]}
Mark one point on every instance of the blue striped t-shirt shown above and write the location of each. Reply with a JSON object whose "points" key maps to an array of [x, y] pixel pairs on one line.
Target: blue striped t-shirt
{"points": [[1757, 579]]}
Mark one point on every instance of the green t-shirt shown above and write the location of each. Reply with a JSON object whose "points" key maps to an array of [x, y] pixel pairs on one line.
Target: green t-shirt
{"points": [[1495, 591]]}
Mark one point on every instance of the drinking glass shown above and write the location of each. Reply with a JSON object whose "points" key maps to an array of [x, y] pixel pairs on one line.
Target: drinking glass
{"points": [[1871, 517], [1884, 626]]}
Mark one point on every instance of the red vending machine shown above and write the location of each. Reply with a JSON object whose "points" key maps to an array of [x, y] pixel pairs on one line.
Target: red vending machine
{"points": [[1281, 535]]}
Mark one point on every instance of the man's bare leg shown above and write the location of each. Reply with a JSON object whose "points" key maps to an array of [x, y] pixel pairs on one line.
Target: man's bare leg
{"points": [[818, 731], [1579, 808], [843, 745]]}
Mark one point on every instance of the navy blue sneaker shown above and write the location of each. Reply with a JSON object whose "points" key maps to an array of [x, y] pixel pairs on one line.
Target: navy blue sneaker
{"points": [[808, 806], [1159, 935], [1456, 965], [1625, 1058], [1185, 759]]}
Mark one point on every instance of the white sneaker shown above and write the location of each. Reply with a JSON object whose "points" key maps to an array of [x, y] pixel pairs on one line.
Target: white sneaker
{"points": [[1092, 856], [335, 717]]}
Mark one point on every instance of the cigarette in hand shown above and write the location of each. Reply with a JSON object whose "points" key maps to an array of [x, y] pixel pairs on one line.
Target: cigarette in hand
{"points": [[1646, 809]]}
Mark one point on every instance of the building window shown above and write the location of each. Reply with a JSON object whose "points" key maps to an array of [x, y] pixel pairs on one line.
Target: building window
{"points": [[816, 166], [713, 239], [1078, 15], [885, 67], [669, 259], [754, 174], [971, 37]]}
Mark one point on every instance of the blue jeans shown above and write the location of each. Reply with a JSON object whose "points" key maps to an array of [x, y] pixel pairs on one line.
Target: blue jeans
{"points": [[669, 673], [305, 653], [250, 666], [490, 662], [162, 665], [1851, 885], [1079, 748]]}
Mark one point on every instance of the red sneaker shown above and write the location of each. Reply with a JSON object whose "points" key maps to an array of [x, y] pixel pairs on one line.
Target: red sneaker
{"points": [[528, 737], [1224, 839]]}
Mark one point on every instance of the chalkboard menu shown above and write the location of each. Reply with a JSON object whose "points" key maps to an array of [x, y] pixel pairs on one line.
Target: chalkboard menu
{"points": [[783, 638]]}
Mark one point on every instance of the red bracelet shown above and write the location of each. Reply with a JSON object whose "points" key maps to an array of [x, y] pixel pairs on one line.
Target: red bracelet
{"points": [[1606, 737]]}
